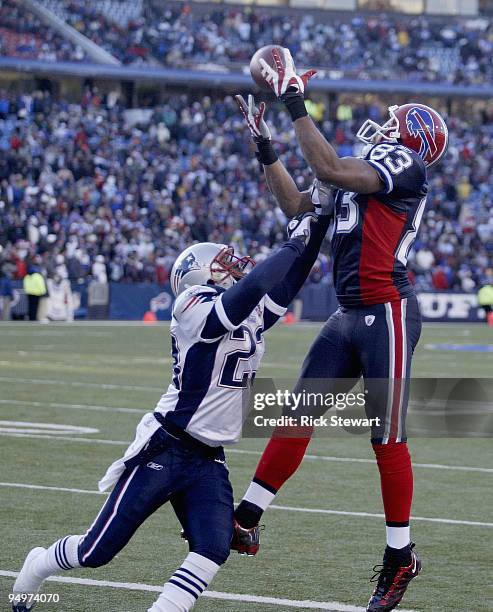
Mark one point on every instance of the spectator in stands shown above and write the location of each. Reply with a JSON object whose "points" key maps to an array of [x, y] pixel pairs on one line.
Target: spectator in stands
{"points": [[99, 270]]}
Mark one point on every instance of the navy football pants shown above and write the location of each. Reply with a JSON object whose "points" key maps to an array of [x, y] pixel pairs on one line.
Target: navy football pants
{"points": [[376, 342], [198, 489]]}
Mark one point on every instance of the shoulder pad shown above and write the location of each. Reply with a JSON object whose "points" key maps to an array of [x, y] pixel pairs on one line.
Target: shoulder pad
{"points": [[197, 293]]}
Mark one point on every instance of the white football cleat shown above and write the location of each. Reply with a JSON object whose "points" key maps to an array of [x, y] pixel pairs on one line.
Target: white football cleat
{"points": [[27, 583]]}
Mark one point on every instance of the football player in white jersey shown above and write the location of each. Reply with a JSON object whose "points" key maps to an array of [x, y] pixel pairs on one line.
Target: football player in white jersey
{"points": [[219, 317]]}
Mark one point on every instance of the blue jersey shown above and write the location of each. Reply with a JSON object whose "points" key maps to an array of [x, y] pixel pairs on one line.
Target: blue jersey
{"points": [[373, 233]]}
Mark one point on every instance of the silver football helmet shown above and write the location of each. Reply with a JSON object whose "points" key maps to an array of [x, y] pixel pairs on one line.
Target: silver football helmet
{"points": [[208, 263]]}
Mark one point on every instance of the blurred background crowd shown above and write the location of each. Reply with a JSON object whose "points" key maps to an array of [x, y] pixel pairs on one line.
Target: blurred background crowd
{"points": [[95, 189], [455, 50], [97, 182]]}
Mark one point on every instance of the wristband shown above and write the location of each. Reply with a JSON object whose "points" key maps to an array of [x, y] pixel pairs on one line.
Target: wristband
{"points": [[295, 104], [265, 152]]}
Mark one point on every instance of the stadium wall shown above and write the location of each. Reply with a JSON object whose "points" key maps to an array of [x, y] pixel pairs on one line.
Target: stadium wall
{"points": [[130, 302]]}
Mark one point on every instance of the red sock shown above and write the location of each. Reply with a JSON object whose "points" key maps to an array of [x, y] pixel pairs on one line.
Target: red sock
{"points": [[396, 477], [282, 456]]}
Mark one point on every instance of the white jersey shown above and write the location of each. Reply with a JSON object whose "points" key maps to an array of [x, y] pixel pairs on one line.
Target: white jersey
{"points": [[205, 398]]}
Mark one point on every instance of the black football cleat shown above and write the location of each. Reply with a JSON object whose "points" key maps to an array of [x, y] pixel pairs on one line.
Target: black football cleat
{"points": [[245, 541], [392, 581]]}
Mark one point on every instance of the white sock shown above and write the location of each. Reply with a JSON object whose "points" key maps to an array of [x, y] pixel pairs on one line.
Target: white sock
{"points": [[185, 586], [398, 537], [256, 494], [62, 555]]}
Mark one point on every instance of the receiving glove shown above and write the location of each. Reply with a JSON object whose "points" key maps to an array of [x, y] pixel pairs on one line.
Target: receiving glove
{"points": [[322, 197], [300, 226], [283, 76], [254, 117]]}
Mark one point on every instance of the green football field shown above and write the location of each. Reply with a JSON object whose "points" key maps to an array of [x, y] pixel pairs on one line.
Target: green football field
{"points": [[70, 397]]}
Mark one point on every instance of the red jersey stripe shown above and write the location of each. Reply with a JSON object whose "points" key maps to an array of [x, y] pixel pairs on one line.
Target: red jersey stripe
{"points": [[382, 231]]}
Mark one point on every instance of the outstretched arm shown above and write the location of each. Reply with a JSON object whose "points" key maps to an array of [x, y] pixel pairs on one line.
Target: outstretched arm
{"points": [[348, 173], [290, 199], [238, 302], [351, 174], [287, 289], [280, 296]]}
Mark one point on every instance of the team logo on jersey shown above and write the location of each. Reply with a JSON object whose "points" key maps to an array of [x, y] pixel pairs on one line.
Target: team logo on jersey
{"points": [[155, 466], [256, 314], [200, 297], [369, 320], [420, 125]]}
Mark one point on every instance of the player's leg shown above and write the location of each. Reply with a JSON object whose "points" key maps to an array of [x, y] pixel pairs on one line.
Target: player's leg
{"points": [[138, 493], [329, 359], [385, 348], [205, 510]]}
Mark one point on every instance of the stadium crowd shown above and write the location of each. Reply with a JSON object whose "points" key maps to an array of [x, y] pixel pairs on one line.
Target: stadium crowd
{"points": [[365, 46], [387, 46], [22, 35], [93, 189]]}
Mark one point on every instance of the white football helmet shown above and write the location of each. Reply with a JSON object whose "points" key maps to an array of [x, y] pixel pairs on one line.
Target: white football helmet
{"points": [[208, 263]]}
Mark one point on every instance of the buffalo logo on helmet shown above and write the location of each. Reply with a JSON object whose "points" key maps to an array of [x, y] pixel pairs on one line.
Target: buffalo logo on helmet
{"points": [[420, 124]]}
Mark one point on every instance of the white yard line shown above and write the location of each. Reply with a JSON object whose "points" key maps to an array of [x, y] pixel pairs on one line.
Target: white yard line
{"points": [[67, 439], [333, 606], [434, 466], [238, 451], [30, 325], [89, 407], [21, 485], [379, 516], [446, 521], [78, 383]]}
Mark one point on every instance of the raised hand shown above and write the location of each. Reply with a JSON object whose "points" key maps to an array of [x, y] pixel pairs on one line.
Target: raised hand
{"points": [[300, 226], [283, 77], [322, 197], [254, 117]]}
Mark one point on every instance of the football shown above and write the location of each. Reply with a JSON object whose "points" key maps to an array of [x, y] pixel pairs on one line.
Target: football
{"points": [[256, 68]]}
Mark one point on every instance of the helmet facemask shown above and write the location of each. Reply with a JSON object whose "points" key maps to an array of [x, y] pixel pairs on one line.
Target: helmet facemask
{"points": [[372, 133], [226, 267]]}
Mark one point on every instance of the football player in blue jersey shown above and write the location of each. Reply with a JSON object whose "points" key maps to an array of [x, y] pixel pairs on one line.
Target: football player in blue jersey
{"points": [[380, 198], [219, 318]]}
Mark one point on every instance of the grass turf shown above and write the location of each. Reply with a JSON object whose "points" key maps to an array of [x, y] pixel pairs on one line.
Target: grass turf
{"points": [[66, 375]]}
